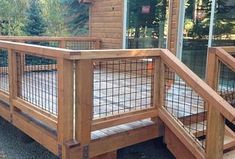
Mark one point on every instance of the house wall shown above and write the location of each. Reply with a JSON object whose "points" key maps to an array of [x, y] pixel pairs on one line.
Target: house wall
{"points": [[106, 22], [173, 25]]}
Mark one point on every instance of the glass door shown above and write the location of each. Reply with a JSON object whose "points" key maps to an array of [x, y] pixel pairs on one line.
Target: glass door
{"points": [[146, 23], [196, 35], [224, 23], [205, 23]]}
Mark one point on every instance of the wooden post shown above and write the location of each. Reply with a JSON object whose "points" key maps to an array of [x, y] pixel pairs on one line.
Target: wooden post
{"points": [[110, 155], [97, 44], [84, 103], [215, 121], [12, 74], [65, 105], [158, 90], [62, 43]]}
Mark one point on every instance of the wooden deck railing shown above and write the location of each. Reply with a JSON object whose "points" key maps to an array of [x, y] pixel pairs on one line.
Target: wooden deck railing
{"points": [[73, 43], [221, 77], [97, 89]]}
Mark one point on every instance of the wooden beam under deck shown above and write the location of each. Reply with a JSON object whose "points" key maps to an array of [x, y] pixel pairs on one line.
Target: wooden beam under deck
{"points": [[120, 140], [5, 112], [38, 133]]}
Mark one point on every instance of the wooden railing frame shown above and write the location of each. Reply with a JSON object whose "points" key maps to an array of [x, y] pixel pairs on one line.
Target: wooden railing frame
{"points": [[218, 108], [198, 85], [63, 123], [216, 120], [61, 40], [82, 63]]}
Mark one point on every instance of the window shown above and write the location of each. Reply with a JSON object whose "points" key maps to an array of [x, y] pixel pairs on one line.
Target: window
{"points": [[146, 23]]}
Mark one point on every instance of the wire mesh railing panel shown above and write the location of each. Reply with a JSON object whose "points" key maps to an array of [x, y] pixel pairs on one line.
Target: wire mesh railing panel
{"points": [[226, 87], [122, 86], [4, 78], [37, 81], [45, 43], [185, 105], [80, 45]]}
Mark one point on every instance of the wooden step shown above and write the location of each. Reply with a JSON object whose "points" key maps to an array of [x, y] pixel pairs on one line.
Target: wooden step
{"points": [[197, 129], [229, 138], [229, 155]]}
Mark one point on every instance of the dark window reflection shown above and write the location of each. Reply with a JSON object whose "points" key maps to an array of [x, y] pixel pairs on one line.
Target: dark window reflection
{"points": [[196, 31], [146, 23], [224, 23]]}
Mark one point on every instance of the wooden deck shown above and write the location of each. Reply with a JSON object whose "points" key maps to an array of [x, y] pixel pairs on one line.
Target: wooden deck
{"points": [[86, 109]]}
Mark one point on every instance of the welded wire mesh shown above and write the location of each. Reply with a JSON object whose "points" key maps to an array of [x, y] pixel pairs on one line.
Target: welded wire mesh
{"points": [[37, 81], [185, 105], [80, 45], [73, 45], [122, 86], [226, 86], [4, 78], [45, 43]]}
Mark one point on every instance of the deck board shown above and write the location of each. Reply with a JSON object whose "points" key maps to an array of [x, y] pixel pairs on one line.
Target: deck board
{"points": [[98, 134]]}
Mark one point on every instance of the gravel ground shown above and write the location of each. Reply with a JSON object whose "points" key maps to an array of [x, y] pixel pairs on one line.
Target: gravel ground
{"points": [[12, 147]]}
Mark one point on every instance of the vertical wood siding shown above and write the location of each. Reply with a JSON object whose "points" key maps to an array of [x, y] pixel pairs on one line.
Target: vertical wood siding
{"points": [[106, 22], [173, 25]]}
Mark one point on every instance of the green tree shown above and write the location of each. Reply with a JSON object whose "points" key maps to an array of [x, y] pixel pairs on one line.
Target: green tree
{"points": [[223, 25], [12, 17], [36, 25], [54, 15], [77, 17]]}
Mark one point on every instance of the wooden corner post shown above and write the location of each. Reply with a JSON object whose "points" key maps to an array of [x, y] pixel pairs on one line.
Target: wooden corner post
{"points": [[83, 106], [62, 44], [65, 105], [16, 70], [215, 121], [97, 44], [158, 90], [12, 71]]}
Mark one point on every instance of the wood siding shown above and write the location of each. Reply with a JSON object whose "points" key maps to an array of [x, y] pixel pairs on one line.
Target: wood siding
{"points": [[106, 22], [173, 25]]}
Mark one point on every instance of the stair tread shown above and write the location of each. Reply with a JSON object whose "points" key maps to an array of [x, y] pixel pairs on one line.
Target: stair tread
{"points": [[229, 155], [198, 129], [228, 139], [229, 142]]}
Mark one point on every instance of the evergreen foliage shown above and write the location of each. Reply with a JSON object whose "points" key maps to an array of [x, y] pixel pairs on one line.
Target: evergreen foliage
{"points": [[77, 17], [35, 25]]}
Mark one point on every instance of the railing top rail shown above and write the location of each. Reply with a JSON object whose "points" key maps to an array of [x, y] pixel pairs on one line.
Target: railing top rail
{"points": [[36, 49], [46, 38], [229, 49], [225, 57], [199, 85], [78, 54], [114, 53]]}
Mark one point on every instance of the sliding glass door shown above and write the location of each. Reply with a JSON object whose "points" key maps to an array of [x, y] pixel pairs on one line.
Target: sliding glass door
{"points": [[195, 35], [206, 23], [224, 23], [146, 23]]}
